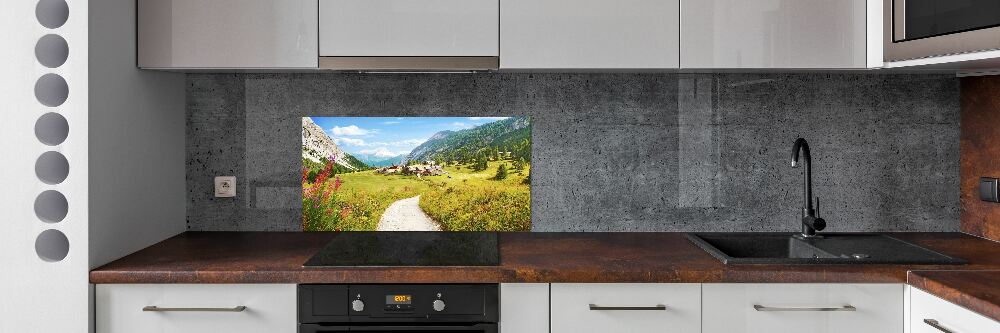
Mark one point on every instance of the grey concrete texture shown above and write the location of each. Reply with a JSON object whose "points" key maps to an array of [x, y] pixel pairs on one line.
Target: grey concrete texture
{"points": [[615, 152]]}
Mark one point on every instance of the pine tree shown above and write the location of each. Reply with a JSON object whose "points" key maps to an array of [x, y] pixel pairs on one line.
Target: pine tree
{"points": [[519, 165], [480, 164], [501, 172]]}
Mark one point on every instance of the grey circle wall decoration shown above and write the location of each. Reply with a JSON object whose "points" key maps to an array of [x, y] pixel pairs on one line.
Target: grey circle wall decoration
{"points": [[52, 13], [52, 167], [52, 245], [51, 90], [51, 206], [51, 129], [51, 51]]}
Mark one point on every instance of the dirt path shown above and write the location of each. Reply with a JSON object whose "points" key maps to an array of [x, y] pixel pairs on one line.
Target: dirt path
{"points": [[406, 215]]}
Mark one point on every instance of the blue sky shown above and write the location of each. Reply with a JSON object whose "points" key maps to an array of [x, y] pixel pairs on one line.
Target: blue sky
{"points": [[390, 136]]}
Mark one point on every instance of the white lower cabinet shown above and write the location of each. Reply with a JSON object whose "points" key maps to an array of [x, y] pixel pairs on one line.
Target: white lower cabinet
{"points": [[803, 308], [524, 308], [930, 314], [626, 307], [196, 308]]}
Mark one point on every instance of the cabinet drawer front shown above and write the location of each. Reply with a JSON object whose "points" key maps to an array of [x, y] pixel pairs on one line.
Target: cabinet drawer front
{"points": [[358, 28], [626, 308], [821, 308], [195, 308], [947, 315]]}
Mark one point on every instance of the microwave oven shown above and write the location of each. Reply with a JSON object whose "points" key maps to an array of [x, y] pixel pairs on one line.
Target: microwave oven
{"points": [[915, 29]]}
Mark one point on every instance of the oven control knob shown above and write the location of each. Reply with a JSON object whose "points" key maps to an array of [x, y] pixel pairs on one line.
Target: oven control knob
{"points": [[438, 305], [358, 305]]}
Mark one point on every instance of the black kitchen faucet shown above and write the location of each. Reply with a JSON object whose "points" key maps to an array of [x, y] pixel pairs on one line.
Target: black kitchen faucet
{"points": [[810, 221]]}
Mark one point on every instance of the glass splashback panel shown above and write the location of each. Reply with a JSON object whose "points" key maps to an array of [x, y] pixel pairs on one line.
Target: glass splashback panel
{"points": [[416, 174]]}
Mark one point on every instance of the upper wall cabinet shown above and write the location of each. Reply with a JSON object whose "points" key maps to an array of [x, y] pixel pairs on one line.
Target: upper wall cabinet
{"points": [[779, 34], [589, 34], [193, 34], [407, 28]]}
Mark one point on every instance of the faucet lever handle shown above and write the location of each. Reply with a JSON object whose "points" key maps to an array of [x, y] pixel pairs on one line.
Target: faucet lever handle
{"points": [[817, 206]]}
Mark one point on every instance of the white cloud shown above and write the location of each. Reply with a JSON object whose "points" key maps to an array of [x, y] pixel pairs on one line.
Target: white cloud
{"points": [[350, 142], [401, 143], [352, 130], [459, 124], [410, 142], [391, 122], [381, 152]]}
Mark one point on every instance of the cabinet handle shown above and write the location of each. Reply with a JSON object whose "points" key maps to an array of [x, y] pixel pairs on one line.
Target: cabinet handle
{"points": [[154, 308], [595, 307], [759, 307], [935, 324]]}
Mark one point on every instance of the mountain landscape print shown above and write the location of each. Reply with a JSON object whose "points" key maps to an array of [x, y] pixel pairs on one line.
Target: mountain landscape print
{"points": [[416, 174]]}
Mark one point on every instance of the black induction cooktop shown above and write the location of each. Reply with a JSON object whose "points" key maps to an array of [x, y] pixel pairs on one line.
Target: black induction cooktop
{"points": [[409, 248]]}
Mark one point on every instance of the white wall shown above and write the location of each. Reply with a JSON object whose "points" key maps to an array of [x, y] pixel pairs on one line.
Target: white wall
{"points": [[134, 195], [137, 188], [38, 295]]}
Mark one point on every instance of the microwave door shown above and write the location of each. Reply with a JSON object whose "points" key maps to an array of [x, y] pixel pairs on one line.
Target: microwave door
{"points": [[916, 19]]}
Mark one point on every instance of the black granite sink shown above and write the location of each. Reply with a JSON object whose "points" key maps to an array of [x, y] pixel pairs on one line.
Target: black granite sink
{"points": [[834, 248]]}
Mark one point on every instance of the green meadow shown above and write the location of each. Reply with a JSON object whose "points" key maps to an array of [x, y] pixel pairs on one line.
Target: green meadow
{"points": [[460, 200]]}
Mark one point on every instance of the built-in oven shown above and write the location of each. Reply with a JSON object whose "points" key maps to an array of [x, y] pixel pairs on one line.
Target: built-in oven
{"points": [[916, 29], [385, 308]]}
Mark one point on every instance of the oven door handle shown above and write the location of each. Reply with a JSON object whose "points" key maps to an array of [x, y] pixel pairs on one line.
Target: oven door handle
{"points": [[485, 328]]}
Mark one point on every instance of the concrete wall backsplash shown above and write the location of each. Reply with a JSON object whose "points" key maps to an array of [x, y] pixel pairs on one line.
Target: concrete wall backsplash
{"points": [[615, 152]]}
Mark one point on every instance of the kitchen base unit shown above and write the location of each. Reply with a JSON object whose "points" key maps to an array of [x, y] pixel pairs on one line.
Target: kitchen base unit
{"points": [[195, 308], [930, 314], [805, 308], [626, 307]]}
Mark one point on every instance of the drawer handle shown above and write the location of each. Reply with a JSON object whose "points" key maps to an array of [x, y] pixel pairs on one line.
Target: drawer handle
{"points": [[595, 307], [154, 308], [935, 324], [759, 307]]}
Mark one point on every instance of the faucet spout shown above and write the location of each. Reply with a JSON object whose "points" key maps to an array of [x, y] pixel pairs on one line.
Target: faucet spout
{"points": [[810, 222]]}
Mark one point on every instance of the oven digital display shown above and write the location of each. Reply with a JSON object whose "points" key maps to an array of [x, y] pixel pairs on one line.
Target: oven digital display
{"points": [[398, 299]]}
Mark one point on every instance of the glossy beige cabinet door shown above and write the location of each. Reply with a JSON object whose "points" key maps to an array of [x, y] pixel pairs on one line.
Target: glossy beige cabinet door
{"points": [[774, 34], [408, 28], [589, 34], [227, 34], [802, 308], [626, 307]]}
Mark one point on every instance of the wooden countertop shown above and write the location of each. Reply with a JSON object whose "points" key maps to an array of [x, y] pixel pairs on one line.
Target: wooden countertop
{"points": [[978, 291], [277, 257]]}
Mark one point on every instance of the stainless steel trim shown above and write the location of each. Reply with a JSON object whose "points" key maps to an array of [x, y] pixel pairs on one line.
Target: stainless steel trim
{"points": [[759, 307], [410, 63], [896, 48], [154, 308], [595, 307], [898, 20], [935, 324]]}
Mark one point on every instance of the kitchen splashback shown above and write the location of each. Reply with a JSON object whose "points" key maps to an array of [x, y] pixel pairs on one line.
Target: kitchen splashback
{"points": [[615, 152]]}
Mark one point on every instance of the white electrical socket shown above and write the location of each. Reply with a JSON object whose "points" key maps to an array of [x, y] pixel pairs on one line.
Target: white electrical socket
{"points": [[225, 187]]}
